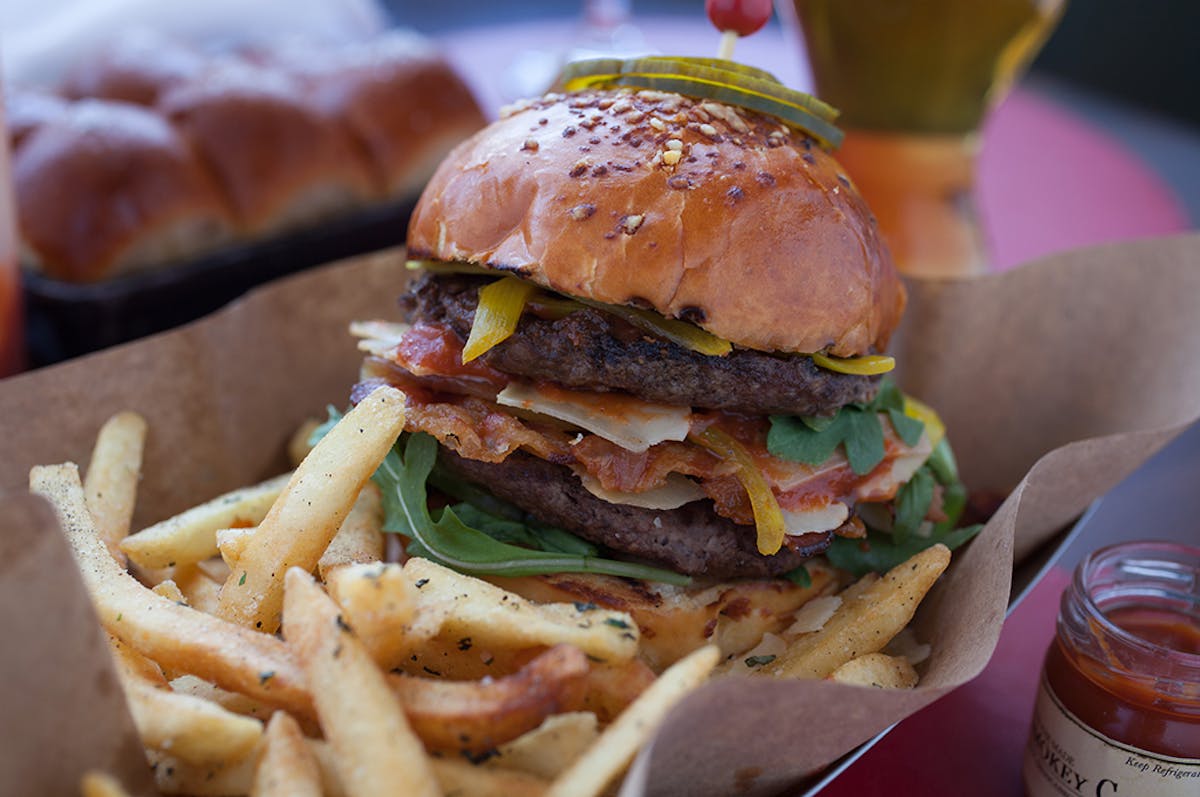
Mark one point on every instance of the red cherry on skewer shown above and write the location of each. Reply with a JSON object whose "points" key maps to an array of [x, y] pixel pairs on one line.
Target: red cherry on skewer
{"points": [[743, 17]]}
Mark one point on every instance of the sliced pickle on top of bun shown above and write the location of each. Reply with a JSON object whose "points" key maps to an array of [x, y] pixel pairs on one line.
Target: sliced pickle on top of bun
{"points": [[723, 81]]}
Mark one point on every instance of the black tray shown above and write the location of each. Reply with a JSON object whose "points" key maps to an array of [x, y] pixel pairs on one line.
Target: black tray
{"points": [[64, 320]]}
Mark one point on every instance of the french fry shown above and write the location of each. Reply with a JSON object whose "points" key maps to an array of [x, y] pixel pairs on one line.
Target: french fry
{"points": [[298, 446], [230, 701], [591, 773], [101, 784], [612, 687], [492, 617], [866, 621], [191, 536], [547, 750], [473, 717], [170, 590], [453, 777], [879, 670], [232, 541], [379, 603], [310, 510], [191, 729], [674, 622], [199, 590], [360, 538], [112, 478], [232, 778], [376, 749], [460, 777], [177, 637], [287, 767]]}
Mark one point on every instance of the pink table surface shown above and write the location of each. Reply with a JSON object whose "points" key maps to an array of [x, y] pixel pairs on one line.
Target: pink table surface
{"points": [[1048, 181]]}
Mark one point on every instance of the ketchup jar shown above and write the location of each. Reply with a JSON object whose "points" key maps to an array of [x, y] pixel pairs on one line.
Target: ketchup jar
{"points": [[1118, 710]]}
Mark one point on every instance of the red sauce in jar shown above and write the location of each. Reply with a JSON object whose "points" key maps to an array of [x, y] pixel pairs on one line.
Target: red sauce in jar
{"points": [[1119, 708]]}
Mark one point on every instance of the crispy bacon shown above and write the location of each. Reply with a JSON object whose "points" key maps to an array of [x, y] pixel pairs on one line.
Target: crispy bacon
{"points": [[455, 404]]}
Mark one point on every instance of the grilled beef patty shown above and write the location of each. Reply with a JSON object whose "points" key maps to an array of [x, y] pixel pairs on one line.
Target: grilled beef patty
{"points": [[592, 350], [692, 539]]}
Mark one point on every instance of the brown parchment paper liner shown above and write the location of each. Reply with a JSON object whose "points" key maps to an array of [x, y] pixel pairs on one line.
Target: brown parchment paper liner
{"points": [[1057, 379]]}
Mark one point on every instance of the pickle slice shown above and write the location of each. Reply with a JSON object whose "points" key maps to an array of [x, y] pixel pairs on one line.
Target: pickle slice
{"points": [[710, 78], [866, 365], [679, 65]]}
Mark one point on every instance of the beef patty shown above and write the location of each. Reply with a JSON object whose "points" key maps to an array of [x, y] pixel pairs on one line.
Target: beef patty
{"points": [[692, 539], [593, 350]]}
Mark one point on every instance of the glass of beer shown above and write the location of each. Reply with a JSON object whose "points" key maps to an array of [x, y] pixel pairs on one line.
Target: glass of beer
{"points": [[914, 80], [12, 349]]}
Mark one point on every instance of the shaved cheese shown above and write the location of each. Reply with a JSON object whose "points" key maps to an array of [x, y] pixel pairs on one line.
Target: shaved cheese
{"points": [[378, 337], [677, 491], [813, 615], [827, 518], [630, 423]]}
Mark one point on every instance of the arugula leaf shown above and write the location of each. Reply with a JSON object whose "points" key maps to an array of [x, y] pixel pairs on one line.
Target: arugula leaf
{"points": [[945, 469], [880, 551], [912, 504], [790, 438], [863, 441], [450, 541], [907, 428], [856, 427], [799, 576]]}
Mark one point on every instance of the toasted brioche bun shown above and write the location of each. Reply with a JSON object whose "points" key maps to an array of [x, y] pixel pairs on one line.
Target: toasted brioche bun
{"points": [[754, 234]]}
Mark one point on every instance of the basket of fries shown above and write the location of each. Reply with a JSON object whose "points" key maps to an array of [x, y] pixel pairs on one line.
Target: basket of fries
{"points": [[267, 636]]}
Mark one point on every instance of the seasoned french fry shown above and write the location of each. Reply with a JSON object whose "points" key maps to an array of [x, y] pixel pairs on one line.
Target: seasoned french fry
{"points": [[473, 717], [231, 542], [377, 752], [360, 538], [229, 779], [198, 588], [191, 536], [298, 446], [866, 621], [310, 510], [878, 670], [177, 637], [191, 729], [612, 687], [493, 617], [591, 773], [112, 477], [460, 777], [379, 602], [287, 767], [673, 621], [230, 701], [547, 750], [170, 590], [101, 784], [453, 777]]}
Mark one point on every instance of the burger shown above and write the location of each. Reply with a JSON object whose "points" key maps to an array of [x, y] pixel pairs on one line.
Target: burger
{"points": [[646, 338]]}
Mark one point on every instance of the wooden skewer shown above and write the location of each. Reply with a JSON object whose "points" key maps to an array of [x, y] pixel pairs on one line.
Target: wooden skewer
{"points": [[728, 41]]}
